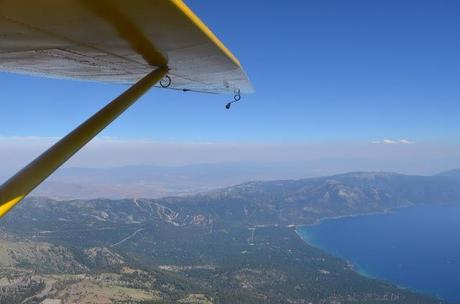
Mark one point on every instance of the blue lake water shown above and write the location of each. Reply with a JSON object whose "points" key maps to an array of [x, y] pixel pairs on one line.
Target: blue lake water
{"points": [[417, 248]]}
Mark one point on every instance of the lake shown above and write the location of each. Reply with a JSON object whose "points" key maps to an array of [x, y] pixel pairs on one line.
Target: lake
{"points": [[416, 248]]}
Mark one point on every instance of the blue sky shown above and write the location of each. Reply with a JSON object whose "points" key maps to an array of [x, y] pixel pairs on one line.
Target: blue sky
{"points": [[349, 72]]}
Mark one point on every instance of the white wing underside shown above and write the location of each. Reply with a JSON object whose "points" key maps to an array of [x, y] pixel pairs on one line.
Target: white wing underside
{"points": [[115, 41]]}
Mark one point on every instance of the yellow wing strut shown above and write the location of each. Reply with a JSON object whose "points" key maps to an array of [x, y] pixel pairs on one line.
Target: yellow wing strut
{"points": [[21, 184]]}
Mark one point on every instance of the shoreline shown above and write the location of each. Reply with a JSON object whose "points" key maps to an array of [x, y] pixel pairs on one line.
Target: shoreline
{"points": [[357, 268], [351, 265], [337, 217]]}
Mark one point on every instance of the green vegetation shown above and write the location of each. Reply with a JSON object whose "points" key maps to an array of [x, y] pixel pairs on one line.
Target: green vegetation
{"points": [[228, 246]]}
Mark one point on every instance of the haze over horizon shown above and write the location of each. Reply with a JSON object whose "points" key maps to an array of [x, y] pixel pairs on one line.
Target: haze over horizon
{"points": [[317, 158]]}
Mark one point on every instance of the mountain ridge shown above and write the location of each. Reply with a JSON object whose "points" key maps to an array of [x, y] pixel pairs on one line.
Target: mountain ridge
{"points": [[279, 202]]}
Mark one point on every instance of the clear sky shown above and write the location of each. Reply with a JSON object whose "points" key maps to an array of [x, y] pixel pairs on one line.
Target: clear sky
{"points": [[325, 72]]}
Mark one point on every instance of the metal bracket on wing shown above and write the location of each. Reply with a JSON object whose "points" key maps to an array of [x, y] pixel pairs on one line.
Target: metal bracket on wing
{"points": [[236, 98], [165, 82]]}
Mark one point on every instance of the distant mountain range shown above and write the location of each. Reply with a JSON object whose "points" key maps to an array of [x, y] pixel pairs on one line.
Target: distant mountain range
{"points": [[161, 181], [454, 174], [280, 202], [305, 201]]}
